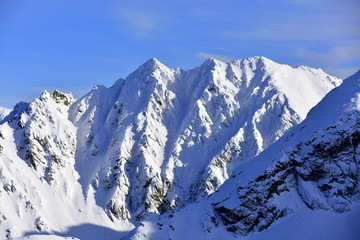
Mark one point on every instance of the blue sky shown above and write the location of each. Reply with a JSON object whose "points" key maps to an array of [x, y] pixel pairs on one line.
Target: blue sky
{"points": [[75, 45]]}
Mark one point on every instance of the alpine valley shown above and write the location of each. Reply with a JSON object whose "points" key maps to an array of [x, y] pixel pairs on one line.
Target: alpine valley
{"points": [[250, 149]]}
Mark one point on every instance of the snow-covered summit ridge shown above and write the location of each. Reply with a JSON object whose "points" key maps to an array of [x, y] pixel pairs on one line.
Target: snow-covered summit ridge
{"points": [[167, 123], [306, 185]]}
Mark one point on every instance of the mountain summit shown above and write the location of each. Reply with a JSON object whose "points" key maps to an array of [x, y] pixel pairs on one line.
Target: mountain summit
{"points": [[152, 143], [304, 186]]}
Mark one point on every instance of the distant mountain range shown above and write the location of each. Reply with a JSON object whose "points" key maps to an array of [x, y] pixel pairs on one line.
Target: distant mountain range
{"points": [[177, 154]]}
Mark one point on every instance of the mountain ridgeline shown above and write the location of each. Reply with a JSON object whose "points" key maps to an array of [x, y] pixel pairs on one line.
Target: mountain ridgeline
{"points": [[304, 186], [164, 138]]}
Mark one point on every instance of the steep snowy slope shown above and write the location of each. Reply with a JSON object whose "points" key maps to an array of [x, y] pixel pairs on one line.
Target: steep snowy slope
{"points": [[164, 137], [305, 186], [39, 190], [155, 141]]}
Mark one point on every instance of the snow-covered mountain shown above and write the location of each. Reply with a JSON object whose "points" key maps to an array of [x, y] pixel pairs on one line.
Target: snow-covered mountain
{"points": [[155, 141], [39, 189], [304, 186], [164, 137]]}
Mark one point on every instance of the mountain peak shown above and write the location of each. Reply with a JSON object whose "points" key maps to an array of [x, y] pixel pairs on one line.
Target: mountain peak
{"points": [[313, 167], [152, 62], [262, 58], [65, 98], [151, 65], [59, 97], [148, 69], [212, 62], [155, 60]]}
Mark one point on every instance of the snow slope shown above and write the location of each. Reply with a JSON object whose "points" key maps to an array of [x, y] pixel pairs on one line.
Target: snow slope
{"points": [[153, 142], [39, 189], [305, 186]]}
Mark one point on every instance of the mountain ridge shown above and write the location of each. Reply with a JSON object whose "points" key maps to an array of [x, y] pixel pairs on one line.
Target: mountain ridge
{"points": [[155, 141], [304, 186]]}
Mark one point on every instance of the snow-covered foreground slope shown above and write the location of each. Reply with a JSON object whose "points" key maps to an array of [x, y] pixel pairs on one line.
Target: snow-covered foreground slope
{"points": [[305, 186], [155, 141]]}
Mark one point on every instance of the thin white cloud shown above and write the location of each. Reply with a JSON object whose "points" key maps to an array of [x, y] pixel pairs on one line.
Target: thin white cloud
{"points": [[333, 61], [141, 20], [204, 55], [337, 55], [341, 72], [140, 24], [297, 30], [313, 21]]}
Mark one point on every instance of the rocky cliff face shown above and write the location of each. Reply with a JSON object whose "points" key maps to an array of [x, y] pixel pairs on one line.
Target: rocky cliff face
{"points": [[323, 171], [159, 139]]}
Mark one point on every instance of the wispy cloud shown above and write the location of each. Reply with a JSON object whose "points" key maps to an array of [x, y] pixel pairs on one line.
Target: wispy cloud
{"points": [[333, 61], [341, 72], [335, 56], [323, 19], [141, 20], [204, 55], [295, 30]]}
